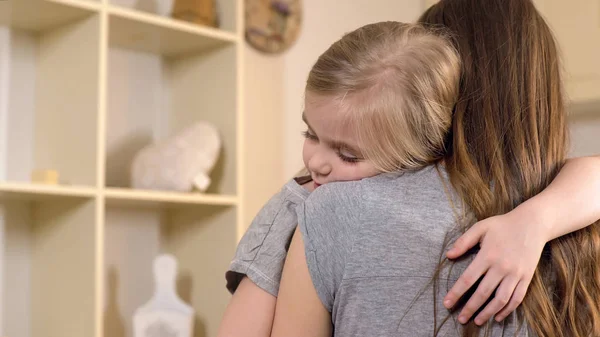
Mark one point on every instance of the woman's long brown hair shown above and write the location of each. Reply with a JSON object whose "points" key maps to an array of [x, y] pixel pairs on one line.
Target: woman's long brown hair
{"points": [[508, 142]]}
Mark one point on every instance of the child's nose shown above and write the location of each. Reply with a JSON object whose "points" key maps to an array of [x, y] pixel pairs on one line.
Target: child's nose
{"points": [[319, 164]]}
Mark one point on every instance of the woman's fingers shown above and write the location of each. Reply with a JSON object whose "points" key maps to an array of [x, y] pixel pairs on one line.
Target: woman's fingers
{"points": [[466, 281], [485, 289], [515, 301], [466, 241], [511, 246], [501, 299]]}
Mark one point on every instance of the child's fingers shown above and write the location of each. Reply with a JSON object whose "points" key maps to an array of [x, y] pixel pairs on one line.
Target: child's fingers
{"points": [[468, 278], [466, 241], [484, 290], [501, 299], [515, 301]]}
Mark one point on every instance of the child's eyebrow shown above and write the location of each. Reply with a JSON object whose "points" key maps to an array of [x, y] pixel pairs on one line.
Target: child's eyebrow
{"points": [[343, 146], [334, 143]]}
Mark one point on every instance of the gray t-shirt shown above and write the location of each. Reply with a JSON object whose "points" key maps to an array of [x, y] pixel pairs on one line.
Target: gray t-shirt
{"points": [[261, 252], [372, 247]]}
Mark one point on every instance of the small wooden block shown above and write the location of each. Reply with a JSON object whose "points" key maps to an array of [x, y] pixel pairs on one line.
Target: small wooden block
{"points": [[49, 177]]}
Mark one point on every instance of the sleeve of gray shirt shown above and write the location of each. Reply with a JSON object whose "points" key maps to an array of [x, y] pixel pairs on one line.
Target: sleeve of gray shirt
{"points": [[328, 236], [261, 252]]}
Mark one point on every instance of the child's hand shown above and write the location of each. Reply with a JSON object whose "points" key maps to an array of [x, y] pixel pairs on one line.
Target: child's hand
{"points": [[511, 247]]}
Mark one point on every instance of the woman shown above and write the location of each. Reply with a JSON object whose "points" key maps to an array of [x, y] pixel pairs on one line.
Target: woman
{"points": [[368, 277]]}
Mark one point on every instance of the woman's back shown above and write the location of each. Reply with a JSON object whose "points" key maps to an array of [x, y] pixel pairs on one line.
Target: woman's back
{"points": [[372, 248]]}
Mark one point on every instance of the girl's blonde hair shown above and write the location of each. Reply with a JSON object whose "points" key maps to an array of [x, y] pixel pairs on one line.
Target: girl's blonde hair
{"points": [[397, 84]]}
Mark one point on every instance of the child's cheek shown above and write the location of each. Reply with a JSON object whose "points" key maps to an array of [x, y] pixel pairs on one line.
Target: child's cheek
{"points": [[307, 151]]}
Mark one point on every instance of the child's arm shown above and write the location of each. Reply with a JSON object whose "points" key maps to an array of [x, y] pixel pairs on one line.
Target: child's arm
{"points": [[511, 244], [249, 313], [299, 312], [255, 272]]}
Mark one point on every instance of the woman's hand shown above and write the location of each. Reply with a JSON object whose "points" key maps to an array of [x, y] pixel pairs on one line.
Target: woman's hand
{"points": [[511, 247], [511, 244]]}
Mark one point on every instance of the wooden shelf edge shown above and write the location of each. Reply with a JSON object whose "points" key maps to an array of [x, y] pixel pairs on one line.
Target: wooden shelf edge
{"points": [[169, 23], [148, 196], [92, 6], [24, 189]]}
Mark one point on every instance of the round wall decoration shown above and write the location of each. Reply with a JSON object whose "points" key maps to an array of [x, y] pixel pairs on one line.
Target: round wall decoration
{"points": [[272, 26]]}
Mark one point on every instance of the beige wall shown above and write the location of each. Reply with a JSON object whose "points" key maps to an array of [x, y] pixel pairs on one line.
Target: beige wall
{"points": [[263, 104]]}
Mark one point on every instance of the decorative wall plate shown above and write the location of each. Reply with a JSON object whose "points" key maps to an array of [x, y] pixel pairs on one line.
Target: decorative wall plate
{"points": [[272, 26]]}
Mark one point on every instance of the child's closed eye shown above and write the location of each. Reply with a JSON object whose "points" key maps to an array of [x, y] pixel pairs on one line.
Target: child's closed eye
{"points": [[348, 157]]}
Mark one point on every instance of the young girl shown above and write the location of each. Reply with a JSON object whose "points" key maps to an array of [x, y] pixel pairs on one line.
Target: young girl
{"points": [[416, 69], [412, 68]]}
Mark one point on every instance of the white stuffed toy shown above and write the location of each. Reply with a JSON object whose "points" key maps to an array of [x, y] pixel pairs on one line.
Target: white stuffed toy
{"points": [[181, 163]]}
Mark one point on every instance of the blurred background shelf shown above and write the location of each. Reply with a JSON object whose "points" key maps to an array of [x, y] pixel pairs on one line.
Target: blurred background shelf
{"points": [[25, 191], [144, 198], [84, 86], [202, 239], [152, 33], [163, 75], [49, 97], [48, 250], [41, 15]]}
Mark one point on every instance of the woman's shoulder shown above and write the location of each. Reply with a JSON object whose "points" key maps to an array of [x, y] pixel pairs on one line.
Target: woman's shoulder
{"points": [[429, 184], [429, 181]]}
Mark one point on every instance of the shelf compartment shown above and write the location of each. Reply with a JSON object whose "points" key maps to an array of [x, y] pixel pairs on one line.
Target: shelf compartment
{"points": [[145, 11], [42, 15], [49, 101], [202, 239], [147, 198], [136, 30], [48, 262], [151, 98]]}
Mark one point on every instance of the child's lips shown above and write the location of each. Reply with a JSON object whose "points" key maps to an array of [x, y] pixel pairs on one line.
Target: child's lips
{"points": [[317, 184]]}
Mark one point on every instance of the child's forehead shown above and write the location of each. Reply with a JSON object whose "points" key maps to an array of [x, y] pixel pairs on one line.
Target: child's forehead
{"points": [[326, 115], [329, 106], [331, 127]]}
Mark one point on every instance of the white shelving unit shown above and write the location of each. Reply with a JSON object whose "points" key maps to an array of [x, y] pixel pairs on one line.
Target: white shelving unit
{"points": [[83, 86]]}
